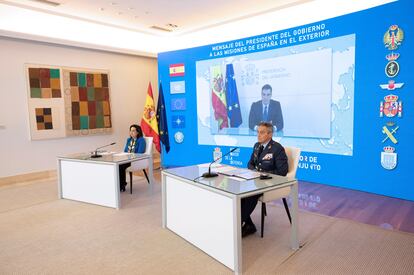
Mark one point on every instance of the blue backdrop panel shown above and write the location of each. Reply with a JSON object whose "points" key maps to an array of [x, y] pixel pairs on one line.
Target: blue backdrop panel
{"points": [[359, 166]]}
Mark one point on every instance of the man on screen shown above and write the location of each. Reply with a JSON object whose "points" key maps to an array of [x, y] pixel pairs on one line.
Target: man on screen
{"points": [[267, 109], [268, 156]]}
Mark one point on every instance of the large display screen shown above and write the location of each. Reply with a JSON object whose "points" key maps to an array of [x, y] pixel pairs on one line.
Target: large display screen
{"points": [[306, 91]]}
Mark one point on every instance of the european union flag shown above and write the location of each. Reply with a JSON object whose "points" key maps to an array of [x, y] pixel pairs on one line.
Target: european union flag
{"points": [[232, 98], [162, 121], [178, 104], [178, 121]]}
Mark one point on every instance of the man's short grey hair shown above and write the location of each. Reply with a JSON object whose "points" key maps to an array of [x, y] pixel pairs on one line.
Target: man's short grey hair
{"points": [[268, 125]]}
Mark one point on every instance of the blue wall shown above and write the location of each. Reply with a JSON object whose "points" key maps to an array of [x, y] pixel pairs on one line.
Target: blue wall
{"points": [[362, 170]]}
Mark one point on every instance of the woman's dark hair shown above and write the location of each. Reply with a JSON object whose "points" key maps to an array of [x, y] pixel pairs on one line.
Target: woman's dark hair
{"points": [[138, 128]]}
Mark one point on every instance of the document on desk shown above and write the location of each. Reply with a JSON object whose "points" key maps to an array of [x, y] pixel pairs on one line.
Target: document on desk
{"points": [[106, 153], [122, 154], [241, 173]]}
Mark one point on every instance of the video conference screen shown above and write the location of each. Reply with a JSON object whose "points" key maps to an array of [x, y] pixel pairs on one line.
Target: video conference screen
{"points": [[305, 91]]}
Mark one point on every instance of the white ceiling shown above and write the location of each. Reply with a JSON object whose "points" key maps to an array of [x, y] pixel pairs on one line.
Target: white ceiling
{"points": [[125, 25], [141, 15]]}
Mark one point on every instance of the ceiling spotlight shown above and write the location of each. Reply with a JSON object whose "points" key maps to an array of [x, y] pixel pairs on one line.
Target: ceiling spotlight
{"points": [[101, 9]]}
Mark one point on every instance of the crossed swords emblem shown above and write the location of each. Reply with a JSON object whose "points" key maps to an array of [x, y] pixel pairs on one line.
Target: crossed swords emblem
{"points": [[390, 134]]}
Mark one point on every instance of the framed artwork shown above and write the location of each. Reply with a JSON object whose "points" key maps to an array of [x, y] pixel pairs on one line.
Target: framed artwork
{"points": [[66, 101], [87, 102]]}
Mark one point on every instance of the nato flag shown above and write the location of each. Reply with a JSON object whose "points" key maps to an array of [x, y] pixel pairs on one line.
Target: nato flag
{"points": [[232, 98], [162, 120]]}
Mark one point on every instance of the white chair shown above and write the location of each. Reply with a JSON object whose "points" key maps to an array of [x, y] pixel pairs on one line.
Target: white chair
{"points": [[141, 164], [293, 155]]}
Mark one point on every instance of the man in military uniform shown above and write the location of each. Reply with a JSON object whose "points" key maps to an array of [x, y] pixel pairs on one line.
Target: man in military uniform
{"points": [[269, 157]]}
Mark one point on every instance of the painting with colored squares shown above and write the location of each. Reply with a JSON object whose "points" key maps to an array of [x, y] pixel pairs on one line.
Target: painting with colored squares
{"points": [[87, 102], [44, 118], [67, 102], [44, 83]]}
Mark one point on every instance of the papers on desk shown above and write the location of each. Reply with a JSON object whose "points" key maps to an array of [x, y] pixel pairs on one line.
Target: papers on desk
{"points": [[122, 154], [106, 153], [214, 165], [225, 168], [241, 173]]}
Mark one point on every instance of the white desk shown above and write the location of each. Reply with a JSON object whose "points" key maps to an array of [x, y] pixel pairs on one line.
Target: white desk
{"points": [[206, 212], [95, 180]]}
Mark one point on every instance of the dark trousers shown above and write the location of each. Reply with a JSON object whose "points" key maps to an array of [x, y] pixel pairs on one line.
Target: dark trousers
{"points": [[122, 176], [247, 206]]}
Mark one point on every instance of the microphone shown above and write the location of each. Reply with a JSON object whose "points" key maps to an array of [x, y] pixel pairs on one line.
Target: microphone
{"points": [[95, 153], [210, 174]]}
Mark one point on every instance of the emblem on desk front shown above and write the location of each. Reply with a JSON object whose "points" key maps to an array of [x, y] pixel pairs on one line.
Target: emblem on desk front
{"points": [[217, 154], [393, 37], [388, 158], [392, 68]]}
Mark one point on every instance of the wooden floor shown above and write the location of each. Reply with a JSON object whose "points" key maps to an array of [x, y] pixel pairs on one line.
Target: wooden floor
{"points": [[382, 211]]}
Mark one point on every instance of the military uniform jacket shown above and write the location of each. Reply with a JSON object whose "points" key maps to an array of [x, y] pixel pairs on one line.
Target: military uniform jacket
{"points": [[273, 159]]}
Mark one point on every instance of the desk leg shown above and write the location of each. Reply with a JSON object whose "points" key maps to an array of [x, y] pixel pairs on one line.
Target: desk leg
{"points": [[59, 174], [294, 241], [238, 256], [151, 170], [164, 201], [117, 193]]}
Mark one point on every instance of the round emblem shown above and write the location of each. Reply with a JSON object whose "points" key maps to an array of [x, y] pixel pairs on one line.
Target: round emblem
{"points": [[392, 68], [179, 137]]}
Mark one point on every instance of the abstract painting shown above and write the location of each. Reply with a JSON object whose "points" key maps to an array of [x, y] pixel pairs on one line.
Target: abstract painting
{"points": [[87, 102], [67, 101]]}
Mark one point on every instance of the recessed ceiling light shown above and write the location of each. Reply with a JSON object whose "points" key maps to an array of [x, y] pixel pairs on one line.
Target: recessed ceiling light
{"points": [[120, 13], [131, 8], [147, 12], [48, 2], [113, 4], [160, 28], [101, 9]]}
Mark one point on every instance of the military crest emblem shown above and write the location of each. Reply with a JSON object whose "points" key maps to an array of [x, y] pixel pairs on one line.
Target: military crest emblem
{"points": [[388, 158], [392, 68], [391, 107], [393, 37], [391, 85], [390, 132]]}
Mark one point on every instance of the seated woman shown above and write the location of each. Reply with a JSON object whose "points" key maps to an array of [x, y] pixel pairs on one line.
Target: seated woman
{"points": [[134, 144]]}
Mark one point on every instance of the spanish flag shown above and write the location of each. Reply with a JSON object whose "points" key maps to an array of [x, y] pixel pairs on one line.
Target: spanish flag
{"points": [[177, 69], [218, 97], [149, 123]]}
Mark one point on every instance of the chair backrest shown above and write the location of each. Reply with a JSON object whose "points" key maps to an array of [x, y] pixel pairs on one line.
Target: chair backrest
{"points": [[148, 145], [293, 155]]}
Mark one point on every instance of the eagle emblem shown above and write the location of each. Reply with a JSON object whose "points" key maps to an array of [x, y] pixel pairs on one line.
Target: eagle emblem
{"points": [[393, 37]]}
